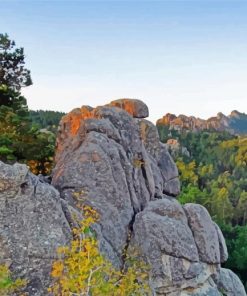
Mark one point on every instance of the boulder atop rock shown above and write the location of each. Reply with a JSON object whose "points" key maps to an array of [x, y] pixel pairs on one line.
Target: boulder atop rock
{"points": [[136, 108]]}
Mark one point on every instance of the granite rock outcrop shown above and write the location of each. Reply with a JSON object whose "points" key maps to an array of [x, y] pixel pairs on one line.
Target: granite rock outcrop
{"points": [[111, 159]]}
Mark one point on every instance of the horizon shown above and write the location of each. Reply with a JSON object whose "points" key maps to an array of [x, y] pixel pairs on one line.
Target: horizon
{"points": [[180, 57], [154, 120]]}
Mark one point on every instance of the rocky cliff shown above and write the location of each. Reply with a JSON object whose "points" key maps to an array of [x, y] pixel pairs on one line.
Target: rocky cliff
{"points": [[111, 158], [235, 123]]}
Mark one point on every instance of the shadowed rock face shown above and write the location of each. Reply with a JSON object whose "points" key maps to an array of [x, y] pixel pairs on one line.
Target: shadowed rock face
{"points": [[111, 158], [32, 226]]}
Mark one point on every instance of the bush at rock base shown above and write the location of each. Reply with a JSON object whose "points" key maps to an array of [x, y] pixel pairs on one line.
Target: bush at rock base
{"points": [[82, 270], [8, 286]]}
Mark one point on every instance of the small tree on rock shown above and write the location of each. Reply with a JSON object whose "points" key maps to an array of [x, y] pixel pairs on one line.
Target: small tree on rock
{"points": [[83, 271]]}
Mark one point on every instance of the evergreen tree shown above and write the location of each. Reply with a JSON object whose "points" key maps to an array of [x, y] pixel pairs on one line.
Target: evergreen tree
{"points": [[13, 73]]}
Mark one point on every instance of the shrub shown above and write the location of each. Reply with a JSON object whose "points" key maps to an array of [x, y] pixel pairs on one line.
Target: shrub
{"points": [[83, 271], [8, 286]]}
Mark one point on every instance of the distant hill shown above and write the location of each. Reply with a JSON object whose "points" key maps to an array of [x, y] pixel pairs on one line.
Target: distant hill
{"points": [[46, 119], [235, 123]]}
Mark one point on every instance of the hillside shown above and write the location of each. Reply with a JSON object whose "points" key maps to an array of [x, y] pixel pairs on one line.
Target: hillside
{"points": [[46, 119], [235, 123]]}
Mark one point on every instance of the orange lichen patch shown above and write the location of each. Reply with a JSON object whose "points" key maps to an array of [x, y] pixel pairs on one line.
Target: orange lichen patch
{"points": [[126, 104], [166, 120], [87, 112], [134, 107], [172, 142], [75, 124], [73, 119]]}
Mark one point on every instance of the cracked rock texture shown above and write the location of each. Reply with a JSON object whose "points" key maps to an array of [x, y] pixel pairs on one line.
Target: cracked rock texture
{"points": [[32, 226], [111, 158]]}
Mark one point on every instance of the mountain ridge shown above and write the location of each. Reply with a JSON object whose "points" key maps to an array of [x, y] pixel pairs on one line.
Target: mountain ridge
{"points": [[234, 123]]}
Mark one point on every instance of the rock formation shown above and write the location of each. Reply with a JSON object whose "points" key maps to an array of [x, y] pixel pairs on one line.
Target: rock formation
{"points": [[235, 123], [32, 226], [111, 158]]}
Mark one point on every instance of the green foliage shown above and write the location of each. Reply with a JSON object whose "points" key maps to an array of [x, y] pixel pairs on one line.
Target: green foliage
{"points": [[8, 286], [164, 133], [187, 171], [193, 194], [13, 99], [20, 139], [46, 119], [215, 174], [236, 240], [13, 74]]}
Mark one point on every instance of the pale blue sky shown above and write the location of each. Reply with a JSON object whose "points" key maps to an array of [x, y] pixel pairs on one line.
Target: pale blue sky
{"points": [[178, 56]]}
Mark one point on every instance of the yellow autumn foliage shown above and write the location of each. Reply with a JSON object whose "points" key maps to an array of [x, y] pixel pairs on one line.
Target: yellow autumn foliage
{"points": [[83, 271]]}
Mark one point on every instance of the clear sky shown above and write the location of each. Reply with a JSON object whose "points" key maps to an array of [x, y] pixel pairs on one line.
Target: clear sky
{"points": [[185, 57]]}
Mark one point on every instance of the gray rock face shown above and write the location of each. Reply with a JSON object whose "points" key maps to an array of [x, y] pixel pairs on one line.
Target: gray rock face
{"points": [[110, 158], [170, 247], [32, 226], [229, 283], [205, 233], [165, 173], [222, 245], [164, 225], [108, 163]]}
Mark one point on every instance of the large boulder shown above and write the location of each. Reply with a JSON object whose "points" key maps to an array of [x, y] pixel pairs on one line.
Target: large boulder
{"points": [[136, 108], [229, 284], [32, 226], [205, 233], [171, 247]]}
